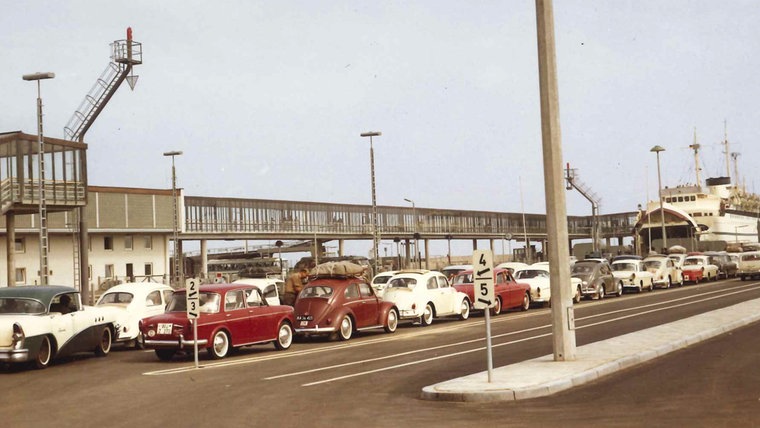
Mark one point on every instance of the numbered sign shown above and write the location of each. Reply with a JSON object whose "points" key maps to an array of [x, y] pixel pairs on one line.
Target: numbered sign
{"points": [[483, 278], [193, 298]]}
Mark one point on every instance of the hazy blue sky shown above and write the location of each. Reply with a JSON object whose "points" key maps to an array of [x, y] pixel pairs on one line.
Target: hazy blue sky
{"points": [[267, 99]]}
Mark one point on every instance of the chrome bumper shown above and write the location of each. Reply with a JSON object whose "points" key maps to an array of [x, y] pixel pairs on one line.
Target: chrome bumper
{"points": [[180, 343]]}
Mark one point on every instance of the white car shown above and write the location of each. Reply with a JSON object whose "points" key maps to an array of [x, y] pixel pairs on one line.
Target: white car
{"points": [[665, 271], [631, 274], [423, 295], [135, 301], [381, 280], [270, 288], [537, 276], [698, 267], [678, 259], [512, 266], [40, 323]]}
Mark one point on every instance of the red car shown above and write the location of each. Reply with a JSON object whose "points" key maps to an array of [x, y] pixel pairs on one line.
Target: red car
{"points": [[509, 293], [231, 316], [342, 305]]}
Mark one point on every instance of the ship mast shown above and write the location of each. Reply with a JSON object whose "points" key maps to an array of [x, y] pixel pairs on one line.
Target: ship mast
{"points": [[727, 152], [697, 169]]}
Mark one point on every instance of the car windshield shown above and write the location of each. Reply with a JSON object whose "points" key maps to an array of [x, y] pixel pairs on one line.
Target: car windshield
{"points": [[623, 266], [652, 264], [115, 298], [692, 262], [463, 278], [209, 303], [531, 273], [381, 279], [402, 283], [14, 305], [579, 268], [322, 291]]}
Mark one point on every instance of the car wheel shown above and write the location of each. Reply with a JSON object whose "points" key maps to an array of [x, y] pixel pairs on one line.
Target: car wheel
{"points": [[464, 310], [620, 289], [220, 345], [165, 354], [44, 355], [104, 346], [345, 328], [139, 342], [578, 295], [742, 277], [427, 315], [670, 281], [600, 293], [284, 336], [526, 302], [392, 322], [496, 310]]}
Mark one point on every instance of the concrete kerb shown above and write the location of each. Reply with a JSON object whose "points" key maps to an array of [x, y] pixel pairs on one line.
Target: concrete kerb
{"points": [[543, 376]]}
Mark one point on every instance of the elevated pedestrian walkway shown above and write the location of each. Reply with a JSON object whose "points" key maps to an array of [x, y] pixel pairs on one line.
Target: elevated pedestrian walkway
{"points": [[543, 376]]}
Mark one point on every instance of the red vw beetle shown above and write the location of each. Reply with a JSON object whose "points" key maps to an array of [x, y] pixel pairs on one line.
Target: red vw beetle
{"points": [[342, 304], [231, 316], [509, 293]]}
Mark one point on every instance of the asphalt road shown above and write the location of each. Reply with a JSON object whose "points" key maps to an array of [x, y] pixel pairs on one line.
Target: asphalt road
{"points": [[375, 379]]}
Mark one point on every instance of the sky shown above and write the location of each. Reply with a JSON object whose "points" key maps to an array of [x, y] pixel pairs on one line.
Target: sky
{"points": [[267, 99]]}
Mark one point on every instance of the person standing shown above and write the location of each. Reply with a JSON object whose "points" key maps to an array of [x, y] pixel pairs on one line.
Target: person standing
{"points": [[293, 286]]}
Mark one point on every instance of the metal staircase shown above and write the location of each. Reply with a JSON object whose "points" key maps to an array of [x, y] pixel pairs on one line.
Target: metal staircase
{"points": [[571, 176]]}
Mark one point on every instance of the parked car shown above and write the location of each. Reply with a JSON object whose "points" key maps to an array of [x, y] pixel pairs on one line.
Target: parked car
{"points": [[508, 293], [135, 301], [270, 288], [664, 269], [749, 265], [727, 268], [596, 279], [380, 280], [697, 268], [231, 316], [511, 266], [450, 271], [41, 323], [678, 259], [537, 277], [423, 295], [631, 274], [343, 305]]}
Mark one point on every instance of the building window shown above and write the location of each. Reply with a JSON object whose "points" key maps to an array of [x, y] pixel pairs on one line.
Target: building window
{"points": [[20, 275], [20, 245], [148, 269], [128, 242], [108, 242], [148, 242], [109, 271]]}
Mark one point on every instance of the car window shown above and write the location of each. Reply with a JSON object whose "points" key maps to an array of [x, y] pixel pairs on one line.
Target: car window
{"points": [[115, 297], [167, 295], [652, 264], [381, 279], [402, 283], [432, 284], [65, 303], [209, 302], [153, 299], [10, 305], [462, 278], [270, 291], [253, 297], [316, 291], [623, 266], [366, 290], [443, 282], [352, 292], [280, 287], [233, 300]]}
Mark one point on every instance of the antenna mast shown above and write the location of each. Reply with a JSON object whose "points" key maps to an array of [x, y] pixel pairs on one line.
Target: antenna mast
{"points": [[727, 152], [697, 169]]}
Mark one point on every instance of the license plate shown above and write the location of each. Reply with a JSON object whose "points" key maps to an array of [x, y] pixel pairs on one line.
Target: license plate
{"points": [[304, 323], [164, 328]]}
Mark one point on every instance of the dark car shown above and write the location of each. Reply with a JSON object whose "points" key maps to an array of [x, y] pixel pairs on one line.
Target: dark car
{"points": [[508, 292], [727, 268], [596, 279], [231, 316], [342, 305]]}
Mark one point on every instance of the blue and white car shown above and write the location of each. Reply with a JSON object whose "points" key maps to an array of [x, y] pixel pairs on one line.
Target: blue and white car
{"points": [[40, 323]]}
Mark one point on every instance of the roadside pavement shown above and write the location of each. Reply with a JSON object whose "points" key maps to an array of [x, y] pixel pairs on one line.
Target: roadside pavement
{"points": [[543, 376]]}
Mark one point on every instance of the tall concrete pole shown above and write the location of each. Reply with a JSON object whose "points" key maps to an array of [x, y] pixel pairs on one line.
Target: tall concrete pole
{"points": [[556, 212]]}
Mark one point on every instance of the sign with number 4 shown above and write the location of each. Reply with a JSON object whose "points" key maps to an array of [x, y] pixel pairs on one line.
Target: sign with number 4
{"points": [[483, 279]]}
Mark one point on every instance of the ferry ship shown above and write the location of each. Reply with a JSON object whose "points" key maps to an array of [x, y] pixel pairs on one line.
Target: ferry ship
{"points": [[718, 216]]}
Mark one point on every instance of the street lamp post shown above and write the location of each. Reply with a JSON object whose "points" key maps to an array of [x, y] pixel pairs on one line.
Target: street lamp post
{"points": [[42, 204], [657, 150], [375, 237], [416, 235], [177, 270]]}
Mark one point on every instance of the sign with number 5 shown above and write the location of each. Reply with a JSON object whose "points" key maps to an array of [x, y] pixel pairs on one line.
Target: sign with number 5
{"points": [[483, 279]]}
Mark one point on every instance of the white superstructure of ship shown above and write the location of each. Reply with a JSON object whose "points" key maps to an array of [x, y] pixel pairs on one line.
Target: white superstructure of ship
{"points": [[715, 216]]}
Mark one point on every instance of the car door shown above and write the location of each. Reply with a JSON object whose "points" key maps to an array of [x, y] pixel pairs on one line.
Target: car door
{"points": [[353, 302], [153, 305], [447, 295], [367, 312], [263, 317], [507, 288], [237, 317]]}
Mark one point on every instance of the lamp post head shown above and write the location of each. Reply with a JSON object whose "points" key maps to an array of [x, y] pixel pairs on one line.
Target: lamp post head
{"points": [[38, 76], [657, 149], [371, 134], [409, 200], [173, 153]]}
